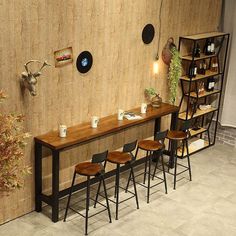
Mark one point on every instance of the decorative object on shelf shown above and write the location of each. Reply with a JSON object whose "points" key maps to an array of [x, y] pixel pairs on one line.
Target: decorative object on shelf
{"points": [[154, 98], [84, 62], [197, 124], [214, 64], [201, 88], [175, 72], [204, 107], [63, 57], [29, 79], [12, 143], [166, 52], [209, 47], [148, 33], [202, 67]]}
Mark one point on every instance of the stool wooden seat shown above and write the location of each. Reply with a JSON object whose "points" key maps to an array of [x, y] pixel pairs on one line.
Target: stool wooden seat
{"points": [[150, 145], [88, 169], [95, 168], [180, 135], [177, 135], [122, 158], [119, 157]]}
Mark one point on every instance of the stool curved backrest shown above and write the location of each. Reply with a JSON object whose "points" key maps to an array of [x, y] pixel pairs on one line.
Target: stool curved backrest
{"points": [[160, 136], [130, 147], [186, 125], [99, 157]]}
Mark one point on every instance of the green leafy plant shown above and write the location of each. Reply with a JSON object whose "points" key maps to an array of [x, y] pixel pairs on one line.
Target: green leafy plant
{"points": [[12, 144], [175, 72], [150, 92]]}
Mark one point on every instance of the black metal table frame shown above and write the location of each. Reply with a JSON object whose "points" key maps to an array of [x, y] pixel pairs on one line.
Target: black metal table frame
{"points": [[53, 199]]}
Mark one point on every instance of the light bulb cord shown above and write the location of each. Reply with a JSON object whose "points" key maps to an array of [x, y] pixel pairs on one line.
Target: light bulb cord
{"points": [[159, 34]]}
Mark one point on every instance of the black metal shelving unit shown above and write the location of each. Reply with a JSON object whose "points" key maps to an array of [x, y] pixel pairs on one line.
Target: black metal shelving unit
{"points": [[190, 87]]}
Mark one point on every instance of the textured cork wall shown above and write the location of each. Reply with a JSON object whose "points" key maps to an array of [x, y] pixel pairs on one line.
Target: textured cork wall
{"points": [[122, 69]]}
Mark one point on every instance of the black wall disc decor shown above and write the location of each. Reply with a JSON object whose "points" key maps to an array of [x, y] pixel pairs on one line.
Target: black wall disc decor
{"points": [[148, 33], [84, 62]]}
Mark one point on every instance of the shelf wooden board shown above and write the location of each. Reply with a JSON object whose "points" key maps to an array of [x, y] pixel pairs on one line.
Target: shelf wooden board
{"points": [[192, 148], [196, 132], [202, 57], [199, 77], [199, 112], [205, 94], [204, 35]]}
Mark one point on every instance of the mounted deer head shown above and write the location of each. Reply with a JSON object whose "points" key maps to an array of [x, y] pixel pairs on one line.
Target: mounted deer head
{"points": [[29, 79]]}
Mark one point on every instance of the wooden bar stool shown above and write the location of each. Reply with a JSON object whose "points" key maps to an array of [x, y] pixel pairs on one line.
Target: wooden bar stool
{"points": [[122, 158], [150, 146], [95, 168], [182, 135]]}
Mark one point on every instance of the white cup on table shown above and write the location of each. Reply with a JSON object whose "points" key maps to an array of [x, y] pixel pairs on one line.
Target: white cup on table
{"points": [[94, 121], [62, 131], [120, 115], [143, 108]]}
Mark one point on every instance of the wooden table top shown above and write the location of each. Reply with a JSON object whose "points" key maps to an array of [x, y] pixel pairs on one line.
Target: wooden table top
{"points": [[83, 132]]}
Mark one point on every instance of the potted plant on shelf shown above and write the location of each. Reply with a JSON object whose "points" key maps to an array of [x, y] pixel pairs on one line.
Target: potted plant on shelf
{"points": [[175, 72], [12, 143], [153, 96]]}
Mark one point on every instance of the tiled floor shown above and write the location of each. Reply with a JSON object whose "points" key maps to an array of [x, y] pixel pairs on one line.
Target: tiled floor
{"points": [[206, 206]]}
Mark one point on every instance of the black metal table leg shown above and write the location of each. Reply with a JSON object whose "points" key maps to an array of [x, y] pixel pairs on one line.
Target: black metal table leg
{"points": [[38, 176], [157, 127], [173, 126], [55, 185]]}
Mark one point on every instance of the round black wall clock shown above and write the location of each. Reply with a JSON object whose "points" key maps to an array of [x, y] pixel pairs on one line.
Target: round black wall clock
{"points": [[84, 62], [148, 33]]}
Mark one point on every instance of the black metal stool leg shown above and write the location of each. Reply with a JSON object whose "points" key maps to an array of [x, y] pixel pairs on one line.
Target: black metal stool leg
{"points": [[87, 205], [98, 191], [136, 153], [189, 166], [145, 168], [175, 159], [135, 190], [117, 188], [149, 176], [155, 169], [127, 186], [105, 191], [68, 202], [164, 173]]}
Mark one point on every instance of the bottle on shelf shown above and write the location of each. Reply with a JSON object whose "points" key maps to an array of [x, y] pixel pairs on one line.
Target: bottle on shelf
{"points": [[214, 65], [192, 72], [210, 84], [208, 47], [196, 51], [212, 47], [202, 68]]}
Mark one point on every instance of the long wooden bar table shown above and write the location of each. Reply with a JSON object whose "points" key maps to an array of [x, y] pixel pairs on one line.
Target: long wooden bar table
{"points": [[82, 133]]}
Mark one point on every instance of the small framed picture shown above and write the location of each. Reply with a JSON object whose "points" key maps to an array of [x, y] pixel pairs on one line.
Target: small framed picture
{"points": [[63, 57]]}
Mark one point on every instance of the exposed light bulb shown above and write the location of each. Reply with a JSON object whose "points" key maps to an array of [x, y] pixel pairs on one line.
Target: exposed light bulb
{"points": [[156, 65]]}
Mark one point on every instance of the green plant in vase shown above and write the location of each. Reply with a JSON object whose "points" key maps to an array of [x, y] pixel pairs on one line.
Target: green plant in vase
{"points": [[153, 96], [175, 71], [12, 143]]}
